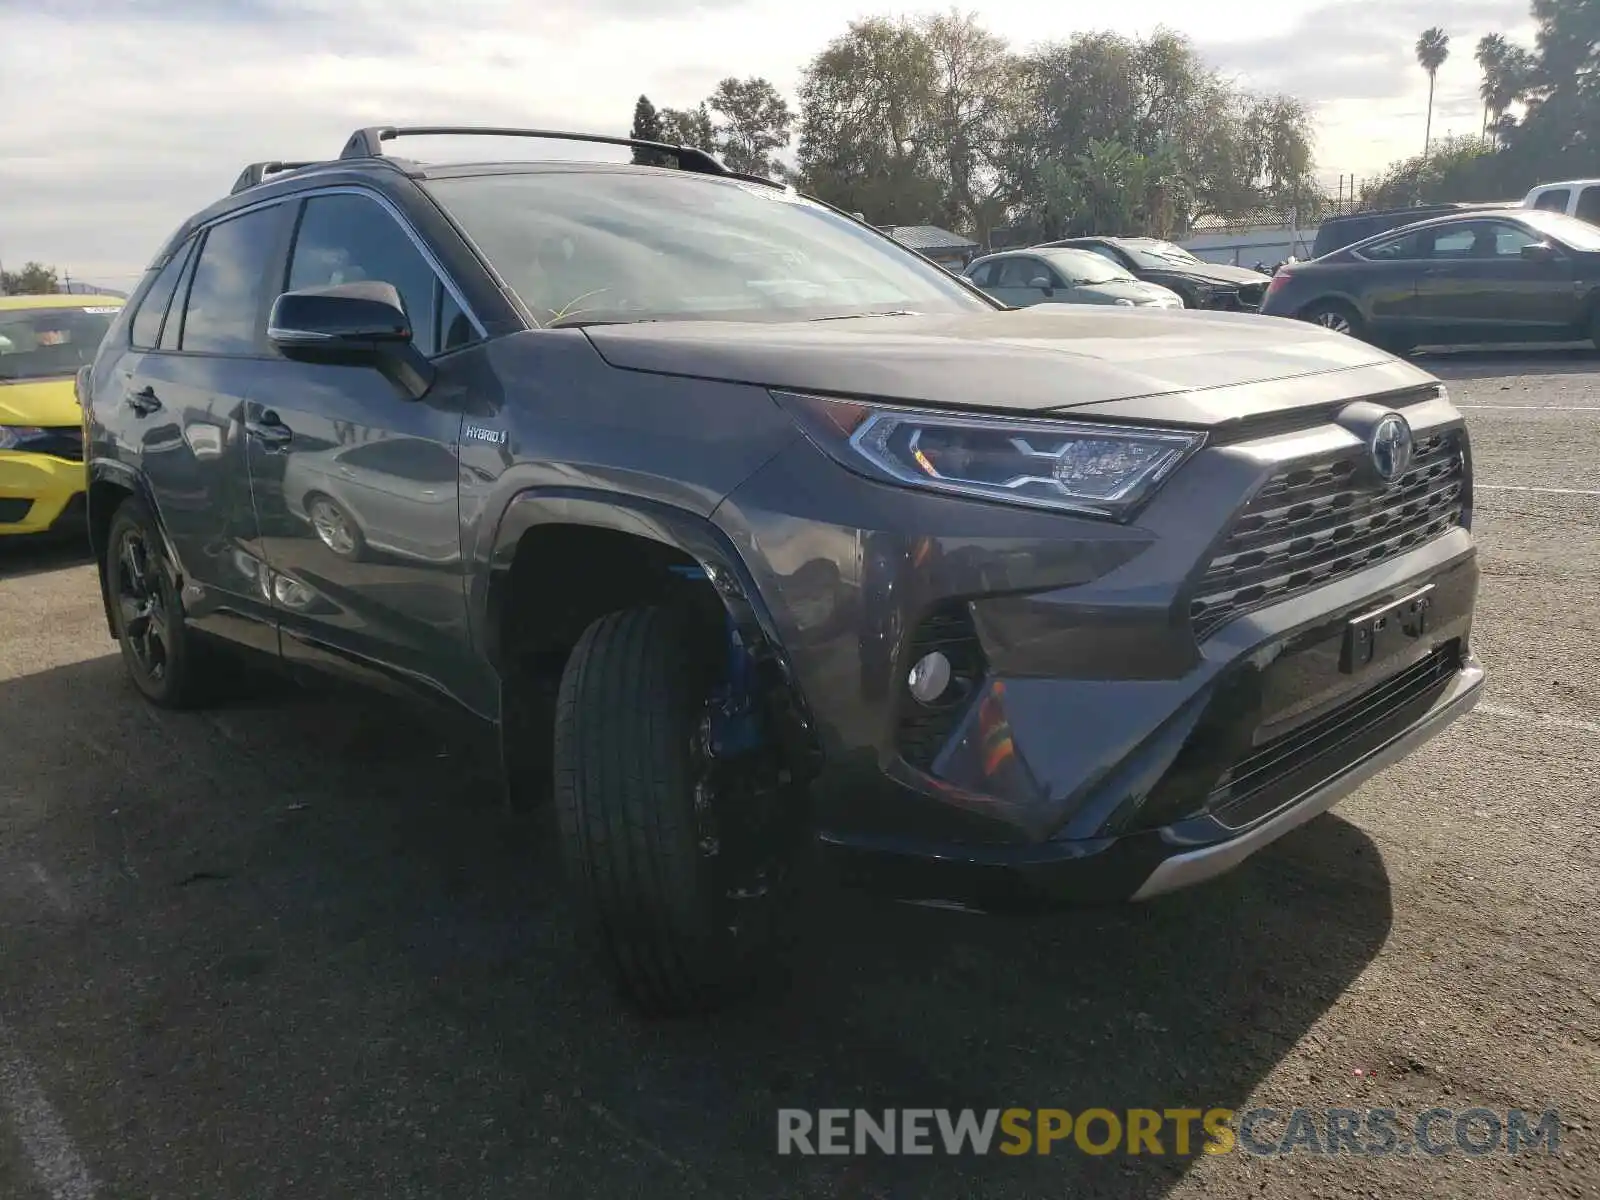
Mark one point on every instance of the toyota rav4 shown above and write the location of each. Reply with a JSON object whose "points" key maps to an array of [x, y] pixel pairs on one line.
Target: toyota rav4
{"points": [[762, 540]]}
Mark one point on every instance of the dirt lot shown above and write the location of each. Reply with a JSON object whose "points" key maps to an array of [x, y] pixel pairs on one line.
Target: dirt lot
{"points": [[292, 948]]}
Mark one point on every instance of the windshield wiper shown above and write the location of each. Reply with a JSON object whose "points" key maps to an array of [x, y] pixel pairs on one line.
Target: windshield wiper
{"points": [[893, 312]]}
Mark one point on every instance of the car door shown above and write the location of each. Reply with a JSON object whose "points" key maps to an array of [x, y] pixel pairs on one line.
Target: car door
{"points": [[1479, 285], [1014, 281], [1587, 207], [1383, 280], [342, 537], [185, 397]]}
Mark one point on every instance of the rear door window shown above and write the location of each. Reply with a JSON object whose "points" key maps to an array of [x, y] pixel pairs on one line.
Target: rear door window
{"points": [[1589, 205], [146, 330], [226, 308], [1555, 200]]}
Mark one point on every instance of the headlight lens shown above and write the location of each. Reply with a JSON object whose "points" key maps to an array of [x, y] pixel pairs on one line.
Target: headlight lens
{"points": [[1101, 470], [17, 437], [1124, 301]]}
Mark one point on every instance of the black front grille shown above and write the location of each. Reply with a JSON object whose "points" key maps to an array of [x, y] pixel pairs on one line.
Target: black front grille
{"points": [[1314, 523], [1285, 768], [1225, 300], [1251, 295], [62, 441], [924, 729]]}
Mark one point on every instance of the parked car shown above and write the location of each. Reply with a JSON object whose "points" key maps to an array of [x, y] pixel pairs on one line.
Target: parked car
{"points": [[1018, 278], [1335, 233], [988, 607], [1508, 275], [1576, 198], [1201, 284], [43, 342]]}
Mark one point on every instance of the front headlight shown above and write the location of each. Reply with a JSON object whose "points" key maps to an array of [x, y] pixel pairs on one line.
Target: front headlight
{"points": [[1124, 301], [1080, 467], [17, 437]]}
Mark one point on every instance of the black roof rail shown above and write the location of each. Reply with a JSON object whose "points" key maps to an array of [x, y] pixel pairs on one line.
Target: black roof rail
{"points": [[368, 143], [256, 172]]}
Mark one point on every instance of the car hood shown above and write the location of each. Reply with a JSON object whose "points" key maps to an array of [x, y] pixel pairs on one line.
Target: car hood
{"points": [[1208, 367], [1136, 290], [40, 402], [1220, 273]]}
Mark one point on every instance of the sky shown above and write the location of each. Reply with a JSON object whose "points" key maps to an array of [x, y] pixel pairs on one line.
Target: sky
{"points": [[123, 117]]}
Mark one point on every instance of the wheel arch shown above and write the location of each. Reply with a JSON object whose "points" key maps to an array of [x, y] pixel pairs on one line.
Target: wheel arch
{"points": [[643, 539], [109, 484]]}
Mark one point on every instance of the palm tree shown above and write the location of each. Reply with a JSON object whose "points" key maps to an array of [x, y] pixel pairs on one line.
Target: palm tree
{"points": [[1505, 75], [1433, 47]]}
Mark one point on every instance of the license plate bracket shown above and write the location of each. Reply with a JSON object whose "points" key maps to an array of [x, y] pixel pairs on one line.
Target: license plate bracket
{"points": [[1374, 636]]}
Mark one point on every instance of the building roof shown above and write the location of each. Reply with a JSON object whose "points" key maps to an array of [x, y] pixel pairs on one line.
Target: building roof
{"points": [[929, 237]]}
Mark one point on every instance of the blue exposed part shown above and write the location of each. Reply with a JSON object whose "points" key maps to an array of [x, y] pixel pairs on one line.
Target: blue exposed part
{"points": [[736, 720]]}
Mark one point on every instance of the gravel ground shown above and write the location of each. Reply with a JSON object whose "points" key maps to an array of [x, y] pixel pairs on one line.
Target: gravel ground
{"points": [[293, 947]]}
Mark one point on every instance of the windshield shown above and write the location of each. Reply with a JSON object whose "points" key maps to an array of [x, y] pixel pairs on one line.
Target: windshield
{"points": [[1158, 254], [1085, 267], [598, 246], [1580, 235], [43, 343]]}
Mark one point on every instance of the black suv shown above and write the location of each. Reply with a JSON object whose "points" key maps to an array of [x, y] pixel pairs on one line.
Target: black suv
{"points": [[763, 541]]}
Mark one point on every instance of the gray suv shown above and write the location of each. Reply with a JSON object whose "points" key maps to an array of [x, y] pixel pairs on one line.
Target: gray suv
{"points": [[767, 545]]}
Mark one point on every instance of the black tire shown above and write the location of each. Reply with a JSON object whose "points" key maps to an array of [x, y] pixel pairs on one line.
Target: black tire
{"points": [[629, 715], [1335, 316], [351, 544], [1594, 324], [169, 664]]}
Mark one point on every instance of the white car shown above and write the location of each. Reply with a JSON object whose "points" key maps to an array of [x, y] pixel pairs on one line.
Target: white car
{"points": [[1576, 197]]}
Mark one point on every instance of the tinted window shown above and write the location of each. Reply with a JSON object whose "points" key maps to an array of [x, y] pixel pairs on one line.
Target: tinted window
{"points": [[1396, 249], [1555, 201], [1107, 253], [349, 238], [596, 245], [146, 330], [984, 275], [1078, 267], [173, 327], [1589, 205], [455, 330], [1018, 272], [225, 313]]}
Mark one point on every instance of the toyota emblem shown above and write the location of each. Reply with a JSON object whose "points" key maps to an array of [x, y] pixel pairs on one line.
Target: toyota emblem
{"points": [[1390, 447]]}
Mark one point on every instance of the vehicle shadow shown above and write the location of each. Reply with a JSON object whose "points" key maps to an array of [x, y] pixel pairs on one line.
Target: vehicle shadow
{"points": [[1478, 363], [300, 946], [35, 554]]}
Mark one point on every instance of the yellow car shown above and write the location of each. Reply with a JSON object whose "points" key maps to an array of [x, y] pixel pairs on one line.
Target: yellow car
{"points": [[43, 342]]}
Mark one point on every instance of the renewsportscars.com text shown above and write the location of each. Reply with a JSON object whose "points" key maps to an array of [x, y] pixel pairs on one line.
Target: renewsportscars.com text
{"points": [[1170, 1131]]}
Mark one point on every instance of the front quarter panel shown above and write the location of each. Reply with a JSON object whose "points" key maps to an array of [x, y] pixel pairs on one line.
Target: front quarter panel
{"points": [[550, 417]]}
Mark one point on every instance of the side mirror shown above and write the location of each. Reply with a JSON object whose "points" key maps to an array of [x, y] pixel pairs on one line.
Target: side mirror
{"points": [[1043, 284], [351, 324], [1539, 252]]}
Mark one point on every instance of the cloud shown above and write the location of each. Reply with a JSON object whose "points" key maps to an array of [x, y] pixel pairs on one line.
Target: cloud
{"points": [[125, 116]]}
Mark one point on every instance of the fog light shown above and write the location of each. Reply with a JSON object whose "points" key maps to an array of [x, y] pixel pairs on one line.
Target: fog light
{"points": [[929, 678]]}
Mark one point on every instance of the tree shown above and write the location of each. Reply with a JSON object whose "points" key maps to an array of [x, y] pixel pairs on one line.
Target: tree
{"points": [[974, 78], [646, 128], [688, 127], [752, 121], [867, 140], [1433, 47], [35, 279]]}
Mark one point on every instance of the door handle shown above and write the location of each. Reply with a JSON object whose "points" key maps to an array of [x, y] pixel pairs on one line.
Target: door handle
{"points": [[269, 431], [144, 401]]}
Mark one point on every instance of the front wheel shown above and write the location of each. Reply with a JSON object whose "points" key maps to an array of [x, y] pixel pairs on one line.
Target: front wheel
{"points": [[682, 873], [164, 658], [1594, 325]]}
